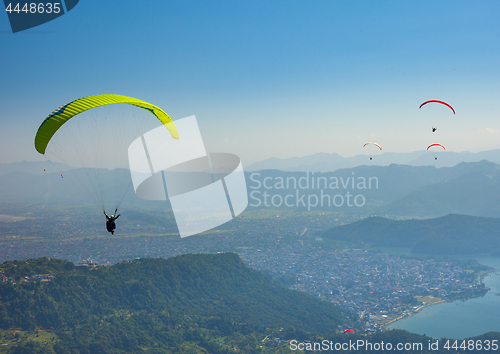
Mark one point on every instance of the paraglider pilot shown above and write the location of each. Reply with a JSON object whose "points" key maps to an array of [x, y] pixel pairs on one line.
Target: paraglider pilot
{"points": [[434, 129], [110, 222]]}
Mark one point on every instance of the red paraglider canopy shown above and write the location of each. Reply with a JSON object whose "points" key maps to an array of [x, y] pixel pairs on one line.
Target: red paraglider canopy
{"points": [[435, 145], [436, 101], [348, 330]]}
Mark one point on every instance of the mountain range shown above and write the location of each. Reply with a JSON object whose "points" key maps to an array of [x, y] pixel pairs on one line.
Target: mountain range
{"points": [[396, 190], [324, 162], [469, 188]]}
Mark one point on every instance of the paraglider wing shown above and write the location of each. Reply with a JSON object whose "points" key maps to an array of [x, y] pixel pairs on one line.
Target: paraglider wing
{"points": [[436, 101], [348, 330], [61, 115], [371, 142], [435, 145]]}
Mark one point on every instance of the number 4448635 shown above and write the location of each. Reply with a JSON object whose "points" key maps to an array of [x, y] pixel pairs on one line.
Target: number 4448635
{"points": [[471, 345], [33, 8]]}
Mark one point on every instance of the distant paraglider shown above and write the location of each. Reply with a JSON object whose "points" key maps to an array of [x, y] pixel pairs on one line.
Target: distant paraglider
{"points": [[434, 128], [436, 101], [348, 330], [432, 145], [374, 143]]}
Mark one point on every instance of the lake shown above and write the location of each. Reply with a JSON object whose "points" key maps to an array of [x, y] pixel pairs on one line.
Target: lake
{"points": [[459, 319]]}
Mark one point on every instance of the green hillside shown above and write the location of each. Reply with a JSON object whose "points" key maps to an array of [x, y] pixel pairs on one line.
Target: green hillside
{"points": [[174, 304]]}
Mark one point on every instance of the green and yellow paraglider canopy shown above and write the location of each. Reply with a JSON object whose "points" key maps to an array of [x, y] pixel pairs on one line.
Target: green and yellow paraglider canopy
{"points": [[64, 113]]}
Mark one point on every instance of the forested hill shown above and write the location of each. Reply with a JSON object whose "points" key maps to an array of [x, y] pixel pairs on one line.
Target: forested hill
{"points": [[153, 302], [450, 234]]}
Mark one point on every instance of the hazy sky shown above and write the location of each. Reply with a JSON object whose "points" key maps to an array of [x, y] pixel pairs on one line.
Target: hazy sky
{"points": [[268, 78]]}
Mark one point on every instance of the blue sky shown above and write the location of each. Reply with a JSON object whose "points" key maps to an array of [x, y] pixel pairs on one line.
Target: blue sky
{"points": [[268, 78]]}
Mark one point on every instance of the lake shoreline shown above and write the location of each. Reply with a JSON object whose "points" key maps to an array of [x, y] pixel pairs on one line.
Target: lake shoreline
{"points": [[439, 302], [413, 312], [445, 321], [495, 269]]}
